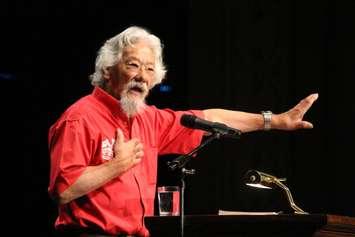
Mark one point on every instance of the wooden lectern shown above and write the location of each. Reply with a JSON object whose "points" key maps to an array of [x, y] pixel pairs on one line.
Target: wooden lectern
{"points": [[290, 225]]}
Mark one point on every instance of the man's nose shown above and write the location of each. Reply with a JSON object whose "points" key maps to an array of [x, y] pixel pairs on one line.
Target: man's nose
{"points": [[143, 76]]}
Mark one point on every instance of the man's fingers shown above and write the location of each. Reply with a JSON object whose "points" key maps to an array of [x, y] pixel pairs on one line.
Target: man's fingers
{"points": [[119, 136], [305, 124], [139, 147], [306, 103], [135, 141], [139, 154], [311, 98], [137, 158], [136, 161]]}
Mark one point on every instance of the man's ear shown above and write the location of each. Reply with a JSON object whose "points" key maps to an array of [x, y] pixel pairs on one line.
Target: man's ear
{"points": [[106, 74]]}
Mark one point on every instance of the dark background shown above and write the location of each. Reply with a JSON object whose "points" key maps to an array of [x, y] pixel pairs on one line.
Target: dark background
{"points": [[249, 55]]}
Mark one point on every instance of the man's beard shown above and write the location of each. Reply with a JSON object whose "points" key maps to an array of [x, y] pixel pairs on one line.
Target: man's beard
{"points": [[133, 104]]}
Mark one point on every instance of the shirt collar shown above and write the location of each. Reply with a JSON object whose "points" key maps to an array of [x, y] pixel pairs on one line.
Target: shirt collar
{"points": [[110, 102]]}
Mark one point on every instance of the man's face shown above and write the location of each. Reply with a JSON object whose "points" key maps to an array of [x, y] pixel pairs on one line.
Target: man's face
{"points": [[133, 76], [130, 80]]}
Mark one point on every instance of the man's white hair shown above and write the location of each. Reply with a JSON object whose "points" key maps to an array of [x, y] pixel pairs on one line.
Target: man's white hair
{"points": [[111, 53]]}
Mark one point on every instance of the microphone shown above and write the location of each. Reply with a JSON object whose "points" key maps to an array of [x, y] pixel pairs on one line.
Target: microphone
{"points": [[194, 122]]}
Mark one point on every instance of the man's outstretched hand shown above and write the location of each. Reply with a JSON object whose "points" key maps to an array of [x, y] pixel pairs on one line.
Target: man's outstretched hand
{"points": [[293, 118]]}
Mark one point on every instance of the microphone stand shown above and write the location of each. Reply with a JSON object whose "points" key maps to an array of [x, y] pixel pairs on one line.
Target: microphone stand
{"points": [[179, 163]]}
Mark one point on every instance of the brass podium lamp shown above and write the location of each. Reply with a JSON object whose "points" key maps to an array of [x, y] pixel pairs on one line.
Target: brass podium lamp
{"points": [[259, 179]]}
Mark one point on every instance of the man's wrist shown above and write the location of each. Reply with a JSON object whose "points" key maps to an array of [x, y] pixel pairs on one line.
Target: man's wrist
{"points": [[267, 119]]}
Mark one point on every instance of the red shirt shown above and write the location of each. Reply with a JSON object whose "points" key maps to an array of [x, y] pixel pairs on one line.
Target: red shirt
{"points": [[84, 136]]}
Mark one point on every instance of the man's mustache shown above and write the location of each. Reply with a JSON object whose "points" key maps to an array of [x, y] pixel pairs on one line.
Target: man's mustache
{"points": [[137, 85]]}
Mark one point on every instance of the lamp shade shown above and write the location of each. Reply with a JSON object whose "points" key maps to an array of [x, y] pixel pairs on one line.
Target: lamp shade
{"points": [[259, 179]]}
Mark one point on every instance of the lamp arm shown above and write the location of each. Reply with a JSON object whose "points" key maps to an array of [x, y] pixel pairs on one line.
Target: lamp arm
{"points": [[289, 197]]}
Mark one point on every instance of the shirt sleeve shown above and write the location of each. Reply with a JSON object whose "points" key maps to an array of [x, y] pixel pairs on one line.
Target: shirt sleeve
{"points": [[173, 138], [69, 147]]}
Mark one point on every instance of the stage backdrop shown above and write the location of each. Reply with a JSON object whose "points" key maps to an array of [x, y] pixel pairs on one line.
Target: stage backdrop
{"points": [[248, 55], [260, 55]]}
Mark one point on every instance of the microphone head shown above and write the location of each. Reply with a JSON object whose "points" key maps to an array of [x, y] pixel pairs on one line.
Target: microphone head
{"points": [[191, 121], [188, 120]]}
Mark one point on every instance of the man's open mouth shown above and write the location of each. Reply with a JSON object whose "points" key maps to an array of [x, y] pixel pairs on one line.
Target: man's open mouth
{"points": [[137, 89]]}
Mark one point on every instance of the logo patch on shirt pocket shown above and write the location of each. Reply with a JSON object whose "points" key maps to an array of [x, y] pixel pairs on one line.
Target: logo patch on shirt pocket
{"points": [[107, 149]]}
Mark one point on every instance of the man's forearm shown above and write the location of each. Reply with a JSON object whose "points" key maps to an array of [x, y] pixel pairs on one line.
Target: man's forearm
{"points": [[92, 178], [292, 119], [246, 122]]}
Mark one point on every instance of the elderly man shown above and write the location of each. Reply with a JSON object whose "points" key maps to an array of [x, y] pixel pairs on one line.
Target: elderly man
{"points": [[104, 147]]}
